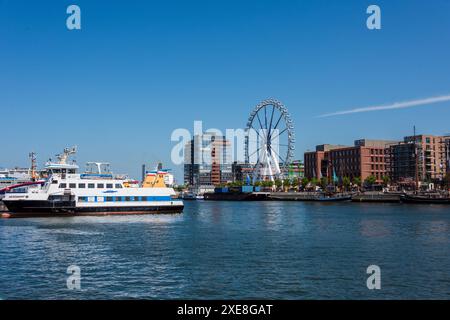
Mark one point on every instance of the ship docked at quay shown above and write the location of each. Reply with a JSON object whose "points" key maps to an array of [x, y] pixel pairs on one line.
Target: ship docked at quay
{"points": [[97, 191]]}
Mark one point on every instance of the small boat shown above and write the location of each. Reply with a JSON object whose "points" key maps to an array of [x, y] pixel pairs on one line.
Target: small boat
{"points": [[425, 199], [188, 196]]}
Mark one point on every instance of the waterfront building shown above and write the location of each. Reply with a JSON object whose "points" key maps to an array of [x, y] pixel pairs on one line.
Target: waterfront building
{"points": [[365, 158], [447, 152], [207, 161], [242, 170], [295, 169], [421, 157], [316, 162]]}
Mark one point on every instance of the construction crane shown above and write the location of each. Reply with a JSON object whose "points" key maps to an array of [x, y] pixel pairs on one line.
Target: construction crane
{"points": [[33, 168]]}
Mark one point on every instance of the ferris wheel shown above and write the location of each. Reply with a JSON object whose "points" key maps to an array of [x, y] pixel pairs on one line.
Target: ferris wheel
{"points": [[269, 140]]}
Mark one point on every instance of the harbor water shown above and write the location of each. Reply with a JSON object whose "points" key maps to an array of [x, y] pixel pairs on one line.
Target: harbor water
{"points": [[232, 250]]}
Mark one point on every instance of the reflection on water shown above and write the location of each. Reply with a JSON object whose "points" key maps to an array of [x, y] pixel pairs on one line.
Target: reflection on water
{"points": [[285, 250], [374, 228]]}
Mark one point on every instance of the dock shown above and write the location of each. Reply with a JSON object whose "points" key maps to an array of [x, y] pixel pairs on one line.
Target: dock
{"points": [[379, 197], [294, 196]]}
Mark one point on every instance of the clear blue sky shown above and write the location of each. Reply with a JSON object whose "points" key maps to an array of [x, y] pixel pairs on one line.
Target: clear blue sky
{"points": [[140, 69]]}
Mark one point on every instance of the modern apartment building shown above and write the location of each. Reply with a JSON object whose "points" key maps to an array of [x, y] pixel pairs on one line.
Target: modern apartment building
{"points": [[296, 169], [207, 161], [447, 153], [422, 157]]}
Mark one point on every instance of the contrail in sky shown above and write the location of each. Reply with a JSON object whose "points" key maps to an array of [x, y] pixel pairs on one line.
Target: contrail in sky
{"points": [[396, 105]]}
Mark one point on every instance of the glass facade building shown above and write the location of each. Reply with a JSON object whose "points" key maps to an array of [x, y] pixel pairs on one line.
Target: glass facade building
{"points": [[207, 161]]}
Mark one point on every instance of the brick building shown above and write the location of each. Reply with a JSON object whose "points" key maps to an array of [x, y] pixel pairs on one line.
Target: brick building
{"points": [[364, 158]]}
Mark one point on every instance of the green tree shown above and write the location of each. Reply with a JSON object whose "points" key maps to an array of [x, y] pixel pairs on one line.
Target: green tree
{"points": [[386, 180], [180, 188], [370, 180], [295, 183], [278, 183], [323, 183], [314, 182], [287, 183], [346, 183], [357, 181], [305, 182]]}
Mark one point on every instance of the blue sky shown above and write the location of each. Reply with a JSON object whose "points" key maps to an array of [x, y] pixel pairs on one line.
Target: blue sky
{"points": [[140, 69]]}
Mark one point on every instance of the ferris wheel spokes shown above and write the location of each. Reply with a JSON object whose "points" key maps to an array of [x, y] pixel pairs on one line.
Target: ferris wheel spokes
{"points": [[274, 146]]}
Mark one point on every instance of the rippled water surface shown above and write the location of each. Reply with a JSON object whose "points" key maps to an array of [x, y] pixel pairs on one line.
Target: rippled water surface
{"points": [[228, 250]]}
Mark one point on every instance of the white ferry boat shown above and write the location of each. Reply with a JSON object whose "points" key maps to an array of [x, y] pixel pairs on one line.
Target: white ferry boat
{"points": [[95, 192]]}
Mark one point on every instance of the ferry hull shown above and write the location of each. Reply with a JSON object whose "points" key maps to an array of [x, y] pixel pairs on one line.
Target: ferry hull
{"points": [[68, 208]]}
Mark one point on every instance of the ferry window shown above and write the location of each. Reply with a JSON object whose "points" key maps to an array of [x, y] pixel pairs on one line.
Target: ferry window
{"points": [[100, 185], [72, 185], [109, 198], [55, 181], [118, 199], [109, 186], [82, 199], [118, 186], [82, 185], [91, 185], [136, 198], [144, 198], [62, 185], [127, 198]]}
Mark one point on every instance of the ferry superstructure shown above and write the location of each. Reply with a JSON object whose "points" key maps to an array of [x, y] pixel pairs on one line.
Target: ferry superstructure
{"points": [[96, 192]]}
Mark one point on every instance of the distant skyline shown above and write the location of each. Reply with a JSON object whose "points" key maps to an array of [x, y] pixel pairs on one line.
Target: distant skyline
{"points": [[138, 70]]}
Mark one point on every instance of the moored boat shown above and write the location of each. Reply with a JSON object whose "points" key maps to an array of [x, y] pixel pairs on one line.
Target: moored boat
{"points": [[425, 199]]}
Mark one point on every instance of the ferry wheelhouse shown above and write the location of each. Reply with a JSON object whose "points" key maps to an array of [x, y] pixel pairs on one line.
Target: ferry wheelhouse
{"points": [[97, 191]]}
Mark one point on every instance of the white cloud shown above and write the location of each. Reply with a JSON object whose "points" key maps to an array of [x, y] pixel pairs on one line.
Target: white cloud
{"points": [[396, 105]]}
